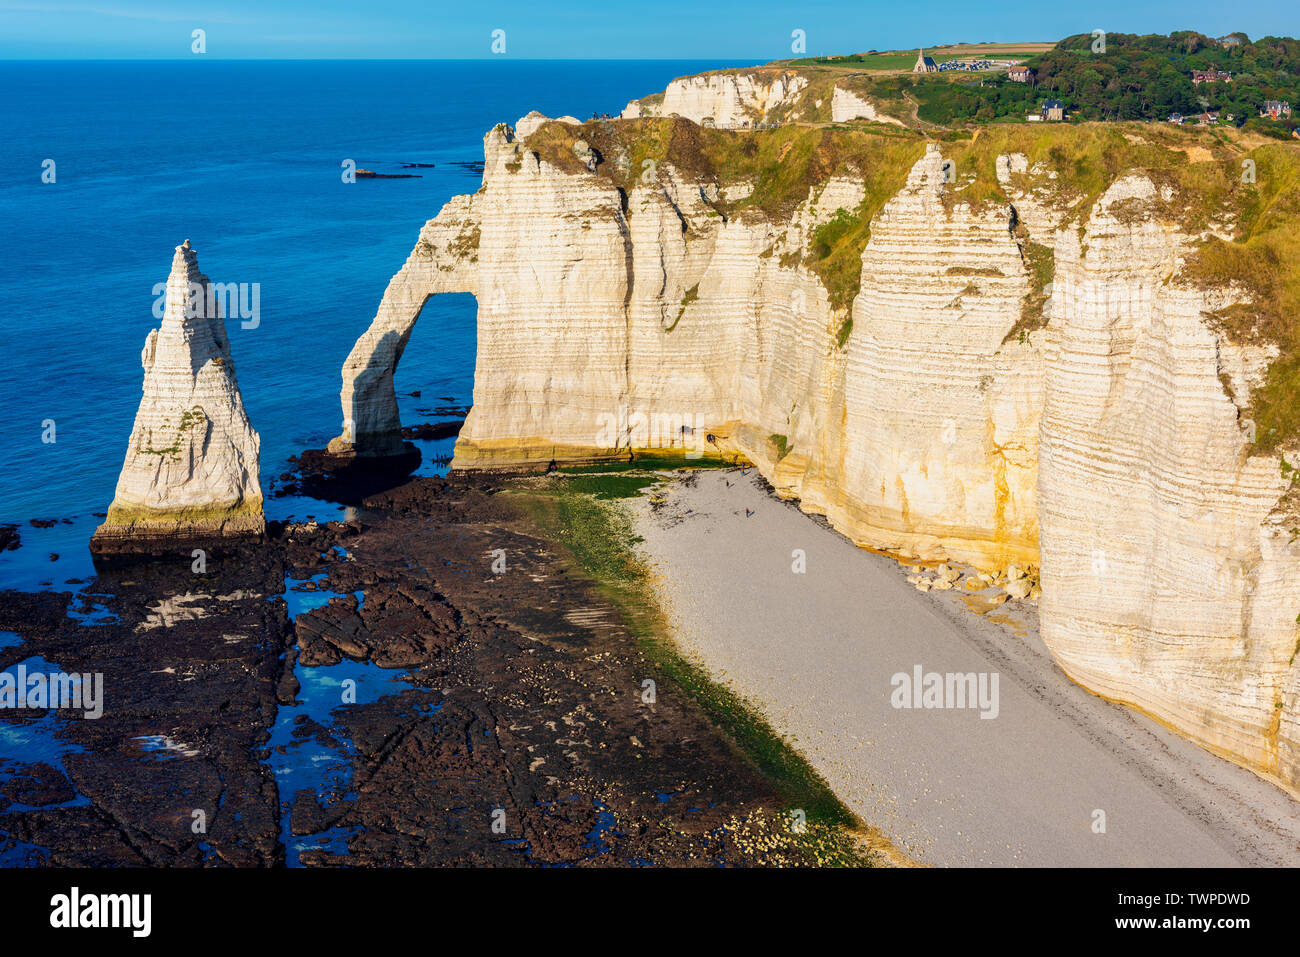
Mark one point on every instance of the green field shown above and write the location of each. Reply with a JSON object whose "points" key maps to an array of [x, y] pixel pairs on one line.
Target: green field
{"points": [[899, 61]]}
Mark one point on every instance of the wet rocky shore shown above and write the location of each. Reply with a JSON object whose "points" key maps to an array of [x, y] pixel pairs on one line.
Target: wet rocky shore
{"points": [[430, 682]]}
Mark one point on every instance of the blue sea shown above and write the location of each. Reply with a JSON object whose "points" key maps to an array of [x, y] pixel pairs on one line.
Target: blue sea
{"points": [[243, 158]]}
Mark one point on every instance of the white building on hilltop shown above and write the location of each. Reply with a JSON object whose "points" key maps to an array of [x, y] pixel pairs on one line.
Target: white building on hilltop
{"points": [[924, 64]]}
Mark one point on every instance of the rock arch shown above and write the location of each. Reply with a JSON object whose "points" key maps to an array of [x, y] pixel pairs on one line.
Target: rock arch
{"points": [[552, 328], [443, 260]]}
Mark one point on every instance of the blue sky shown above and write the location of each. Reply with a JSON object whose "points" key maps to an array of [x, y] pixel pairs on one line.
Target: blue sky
{"points": [[651, 29]]}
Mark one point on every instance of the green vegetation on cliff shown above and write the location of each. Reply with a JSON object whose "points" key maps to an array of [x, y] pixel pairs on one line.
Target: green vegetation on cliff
{"points": [[1264, 260], [783, 164], [1215, 181], [186, 519], [691, 295], [1041, 263]]}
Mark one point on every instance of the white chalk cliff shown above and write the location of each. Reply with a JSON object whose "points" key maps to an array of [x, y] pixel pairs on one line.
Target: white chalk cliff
{"points": [[723, 100], [1101, 445], [191, 469], [1170, 574], [847, 105]]}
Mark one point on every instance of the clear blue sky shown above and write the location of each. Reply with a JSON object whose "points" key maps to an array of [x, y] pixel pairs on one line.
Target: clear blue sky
{"points": [[651, 29]]}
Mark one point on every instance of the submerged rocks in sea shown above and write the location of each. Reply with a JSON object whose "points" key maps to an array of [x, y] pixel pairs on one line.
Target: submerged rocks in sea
{"points": [[191, 469]]}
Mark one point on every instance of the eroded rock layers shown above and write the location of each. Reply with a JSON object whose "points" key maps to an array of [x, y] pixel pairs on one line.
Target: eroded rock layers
{"points": [[936, 415], [191, 469]]}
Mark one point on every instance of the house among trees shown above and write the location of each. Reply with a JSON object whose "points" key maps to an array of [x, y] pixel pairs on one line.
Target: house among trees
{"points": [[1275, 109], [1231, 40], [1176, 118], [1019, 74], [1053, 110], [1207, 119], [1212, 75], [924, 64]]}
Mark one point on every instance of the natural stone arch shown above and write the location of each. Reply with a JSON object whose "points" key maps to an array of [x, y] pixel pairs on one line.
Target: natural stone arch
{"points": [[443, 260]]}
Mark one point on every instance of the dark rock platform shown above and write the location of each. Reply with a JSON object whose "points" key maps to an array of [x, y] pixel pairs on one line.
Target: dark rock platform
{"points": [[512, 731]]}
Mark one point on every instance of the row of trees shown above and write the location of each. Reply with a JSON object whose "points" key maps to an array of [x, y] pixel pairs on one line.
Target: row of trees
{"points": [[1130, 78]]}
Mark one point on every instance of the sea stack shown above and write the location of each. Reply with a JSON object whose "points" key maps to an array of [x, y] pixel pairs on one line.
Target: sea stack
{"points": [[191, 469]]}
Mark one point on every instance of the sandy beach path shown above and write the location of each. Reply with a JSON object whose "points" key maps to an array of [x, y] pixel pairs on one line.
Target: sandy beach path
{"points": [[816, 653]]}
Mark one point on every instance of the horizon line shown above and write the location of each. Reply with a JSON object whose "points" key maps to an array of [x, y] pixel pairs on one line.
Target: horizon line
{"points": [[263, 59]]}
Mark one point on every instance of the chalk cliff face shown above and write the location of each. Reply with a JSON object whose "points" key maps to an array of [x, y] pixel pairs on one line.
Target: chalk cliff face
{"points": [[926, 417], [847, 105], [191, 469], [940, 417], [724, 100], [1168, 570]]}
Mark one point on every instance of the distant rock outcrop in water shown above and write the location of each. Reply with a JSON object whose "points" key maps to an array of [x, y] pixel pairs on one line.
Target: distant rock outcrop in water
{"points": [[191, 470]]}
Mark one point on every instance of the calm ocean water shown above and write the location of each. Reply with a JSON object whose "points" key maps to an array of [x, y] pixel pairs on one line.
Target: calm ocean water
{"points": [[243, 158]]}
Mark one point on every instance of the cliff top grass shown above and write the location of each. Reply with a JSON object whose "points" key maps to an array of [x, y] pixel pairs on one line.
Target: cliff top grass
{"points": [[1088, 158], [904, 60], [783, 163]]}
